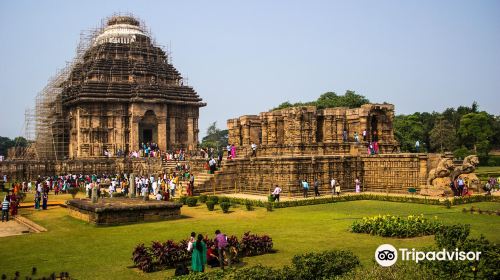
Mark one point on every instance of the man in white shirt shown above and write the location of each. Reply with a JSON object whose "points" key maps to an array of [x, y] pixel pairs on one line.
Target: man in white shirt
{"points": [[276, 193], [254, 149]]}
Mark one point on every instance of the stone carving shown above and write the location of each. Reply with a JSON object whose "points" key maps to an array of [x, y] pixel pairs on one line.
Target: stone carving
{"points": [[443, 169], [468, 166]]}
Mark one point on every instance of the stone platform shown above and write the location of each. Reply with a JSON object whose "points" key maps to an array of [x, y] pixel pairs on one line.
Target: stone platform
{"points": [[117, 211]]}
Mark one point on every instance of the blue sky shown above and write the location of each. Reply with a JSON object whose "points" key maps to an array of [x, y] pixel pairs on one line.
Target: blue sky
{"points": [[245, 57]]}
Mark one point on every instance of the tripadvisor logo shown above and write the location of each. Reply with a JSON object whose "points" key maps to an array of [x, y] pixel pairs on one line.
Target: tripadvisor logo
{"points": [[387, 255]]}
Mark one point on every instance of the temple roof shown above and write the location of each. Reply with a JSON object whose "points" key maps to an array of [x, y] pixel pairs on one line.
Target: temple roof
{"points": [[122, 64]]}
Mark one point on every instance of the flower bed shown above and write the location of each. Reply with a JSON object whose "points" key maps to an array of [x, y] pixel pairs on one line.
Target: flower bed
{"points": [[394, 226], [167, 254]]}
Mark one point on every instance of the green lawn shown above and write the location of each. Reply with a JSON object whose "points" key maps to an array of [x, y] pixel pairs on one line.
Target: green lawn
{"points": [[90, 252]]}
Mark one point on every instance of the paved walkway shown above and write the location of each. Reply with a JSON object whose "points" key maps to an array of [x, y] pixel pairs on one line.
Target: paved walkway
{"points": [[12, 227]]}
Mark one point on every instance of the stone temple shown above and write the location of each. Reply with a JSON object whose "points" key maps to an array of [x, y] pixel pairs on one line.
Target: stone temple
{"points": [[124, 92], [120, 91]]}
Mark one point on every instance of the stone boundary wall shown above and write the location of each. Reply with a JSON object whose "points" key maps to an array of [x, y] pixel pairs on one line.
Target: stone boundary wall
{"points": [[387, 173]]}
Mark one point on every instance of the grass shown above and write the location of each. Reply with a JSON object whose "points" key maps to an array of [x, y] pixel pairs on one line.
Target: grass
{"points": [[90, 252], [484, 172]]}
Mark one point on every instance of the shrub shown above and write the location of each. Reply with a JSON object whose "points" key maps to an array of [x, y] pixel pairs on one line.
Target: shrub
{"points": [[225, 206], [203, 198], [394, 226], [191, 201], [143, 258], [447, 203], [449, 236], [183, 199], [324, 265], [252, 244], [401, 270], [270, 198], [456, 238], [248, 205], [224, 199], [213, 198], [269, 206], [210, 205]]}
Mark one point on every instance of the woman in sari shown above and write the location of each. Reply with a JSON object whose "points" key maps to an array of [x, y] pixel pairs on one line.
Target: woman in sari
{"points": [[199, 255], [14, 203], [233, 151], [37, 200]]}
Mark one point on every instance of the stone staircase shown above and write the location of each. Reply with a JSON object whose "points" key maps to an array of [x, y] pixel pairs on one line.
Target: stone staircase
{"points": [[171, 164]]}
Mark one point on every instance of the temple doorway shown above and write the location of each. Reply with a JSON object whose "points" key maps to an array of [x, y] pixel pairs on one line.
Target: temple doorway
{"points": [[148, 128]]}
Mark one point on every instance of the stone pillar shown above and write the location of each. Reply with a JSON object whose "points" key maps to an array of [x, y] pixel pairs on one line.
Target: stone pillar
{"points": [[190, 133], [131, 184], [162, 133], [134, 133], [95, 198], [172, 131]]}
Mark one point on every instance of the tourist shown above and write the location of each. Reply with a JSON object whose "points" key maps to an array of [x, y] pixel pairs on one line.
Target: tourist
{"points": [[5, 209], [375, 147], [276, 193], [45, 198], [417, 146], [158, 196], [125, 187], [487, 187], [228, 148], [212, 259], [357, 182], [172, 188], [199, 255], [112, 188], [191, 183], [254, 149], [191, 241], [333, 182], [364, 135], [222, 248], [316, 187], [453, 188], [305, 188], [37, 200], [14, 204], [460, 184], [233, 151], [212, 165], [344, 135], [356, 137]]}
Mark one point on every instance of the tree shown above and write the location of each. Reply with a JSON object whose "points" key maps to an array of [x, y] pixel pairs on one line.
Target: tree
{"points": [[443, 136], [476, 131], [331, 100], [407, 130], [215, 137]]}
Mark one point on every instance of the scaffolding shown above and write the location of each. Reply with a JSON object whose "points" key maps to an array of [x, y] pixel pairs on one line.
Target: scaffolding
{"points": [[47, 125]]}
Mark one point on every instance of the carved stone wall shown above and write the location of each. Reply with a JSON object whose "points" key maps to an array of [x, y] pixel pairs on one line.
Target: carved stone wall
{"points": [[385, 173], [310, 131]]}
